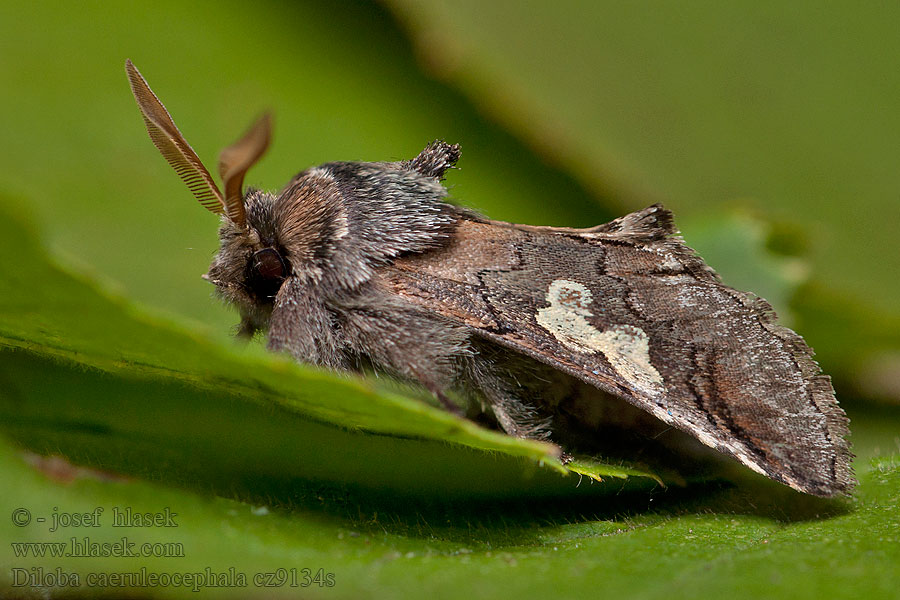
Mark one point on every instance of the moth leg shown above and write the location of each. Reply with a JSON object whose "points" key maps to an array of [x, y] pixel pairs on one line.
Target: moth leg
{"points": [[428, 382], [446, 402], [247, 329], [518, 419], [514, 415]]}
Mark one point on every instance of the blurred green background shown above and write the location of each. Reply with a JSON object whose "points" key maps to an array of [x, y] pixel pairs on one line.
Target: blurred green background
{"points": [[772, 130]]}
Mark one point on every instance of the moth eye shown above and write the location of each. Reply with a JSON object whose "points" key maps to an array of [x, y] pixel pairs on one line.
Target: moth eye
{"points": [[266, 272], [268, 264]]}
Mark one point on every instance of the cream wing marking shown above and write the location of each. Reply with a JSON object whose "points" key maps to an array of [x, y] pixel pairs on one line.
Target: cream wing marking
{"points": [[627, 348]]}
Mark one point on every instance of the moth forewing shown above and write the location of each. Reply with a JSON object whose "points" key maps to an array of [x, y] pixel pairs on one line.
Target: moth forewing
{"points": [[632, 310]]}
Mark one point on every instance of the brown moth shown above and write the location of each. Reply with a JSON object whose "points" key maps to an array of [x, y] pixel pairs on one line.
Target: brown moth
{"points": [[359, 265]]}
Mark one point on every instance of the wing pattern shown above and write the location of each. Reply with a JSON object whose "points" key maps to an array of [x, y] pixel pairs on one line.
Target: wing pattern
{"points": [[632, 310]]}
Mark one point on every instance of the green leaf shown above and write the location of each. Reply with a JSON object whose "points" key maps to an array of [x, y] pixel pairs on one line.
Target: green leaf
{"points": [[746, 545]]}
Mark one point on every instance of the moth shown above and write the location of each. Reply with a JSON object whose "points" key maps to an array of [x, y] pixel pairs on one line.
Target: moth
{"points": [[364, 265]]}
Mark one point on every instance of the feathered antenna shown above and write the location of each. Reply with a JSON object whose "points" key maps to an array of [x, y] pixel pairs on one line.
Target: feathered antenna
{"points": [[234, 161]]}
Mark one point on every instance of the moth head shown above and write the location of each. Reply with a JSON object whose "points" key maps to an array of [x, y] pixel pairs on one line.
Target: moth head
{"points": [[250, 267]]}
